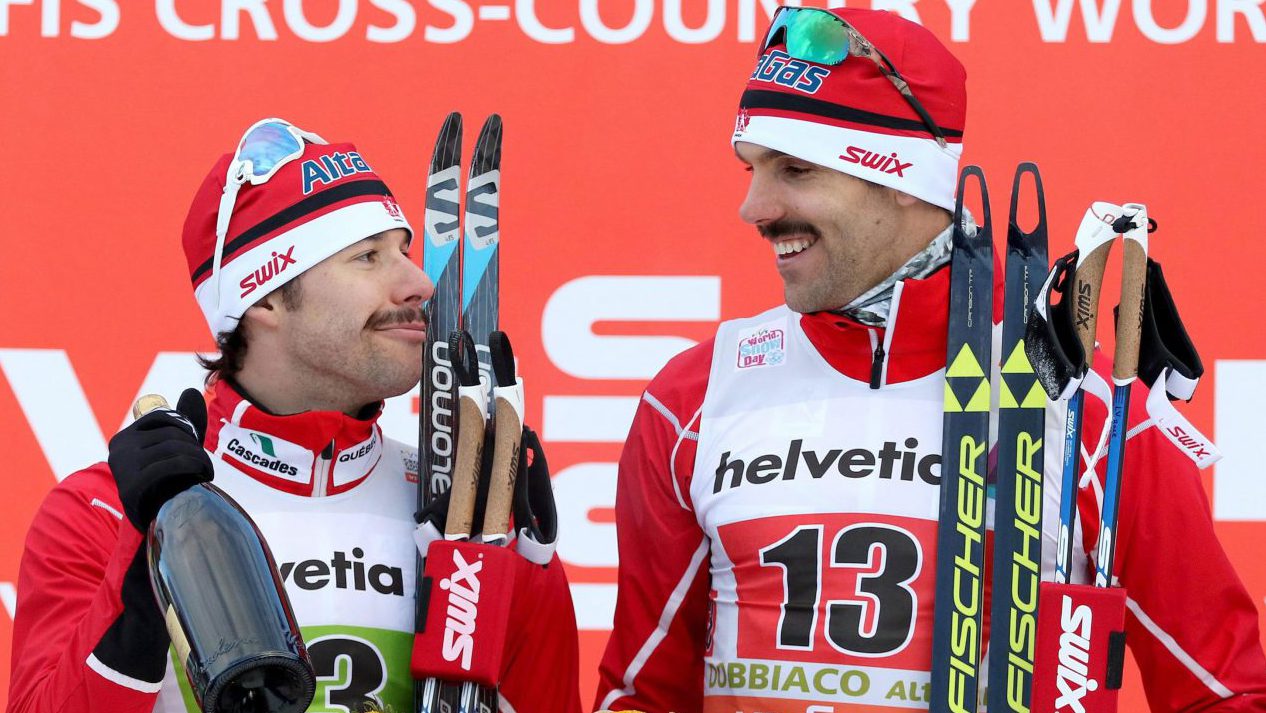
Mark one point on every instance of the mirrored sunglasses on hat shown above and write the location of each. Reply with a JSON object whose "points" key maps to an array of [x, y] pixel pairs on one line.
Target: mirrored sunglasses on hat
{"points": [[264, 148], [819, 36]]}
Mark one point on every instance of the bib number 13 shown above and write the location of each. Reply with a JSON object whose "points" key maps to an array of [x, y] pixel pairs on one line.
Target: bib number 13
{"points": [[874, 616]]}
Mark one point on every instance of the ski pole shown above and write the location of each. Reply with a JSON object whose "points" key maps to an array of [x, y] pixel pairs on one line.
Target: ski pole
{"points": [[1094, 241], [1125, 362]]}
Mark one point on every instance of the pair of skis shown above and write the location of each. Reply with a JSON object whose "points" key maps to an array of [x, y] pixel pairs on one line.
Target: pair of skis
{"points": [[1016, 569], [461, 257], [960, 576]]}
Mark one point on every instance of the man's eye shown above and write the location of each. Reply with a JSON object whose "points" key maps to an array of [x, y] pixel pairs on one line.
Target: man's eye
{"points": [[795, 169], [369, 256]]}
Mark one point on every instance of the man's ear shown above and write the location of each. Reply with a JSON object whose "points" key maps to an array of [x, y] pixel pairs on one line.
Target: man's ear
{"points": [[266, 313], [905, 200]]}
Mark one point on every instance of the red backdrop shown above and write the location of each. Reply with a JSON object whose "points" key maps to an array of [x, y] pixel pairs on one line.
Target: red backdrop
{"points": [[617, 175]]}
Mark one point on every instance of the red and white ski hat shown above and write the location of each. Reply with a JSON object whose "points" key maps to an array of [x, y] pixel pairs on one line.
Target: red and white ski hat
{"points": [[282, 221], [851, 118]]}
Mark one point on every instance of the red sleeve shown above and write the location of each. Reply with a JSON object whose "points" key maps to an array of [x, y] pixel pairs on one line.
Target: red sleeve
{"points": [[541, 673], [1190, 623], [654, 658], [74, 562]]}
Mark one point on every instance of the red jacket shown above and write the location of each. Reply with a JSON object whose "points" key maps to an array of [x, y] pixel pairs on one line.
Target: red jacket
{"points": [[79, 547], [1191, 625]]}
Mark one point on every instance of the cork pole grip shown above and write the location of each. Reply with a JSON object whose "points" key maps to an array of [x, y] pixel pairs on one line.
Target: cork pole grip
{"points": [[1086, 288], [470, 446], [505, 466], [147, 403], [1125, 362]]}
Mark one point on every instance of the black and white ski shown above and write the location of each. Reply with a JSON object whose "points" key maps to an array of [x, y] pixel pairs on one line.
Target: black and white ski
{"points": [[441, 259], [481, 264], [960, 559], [1017, 549], [481, 268], [460, 251]]}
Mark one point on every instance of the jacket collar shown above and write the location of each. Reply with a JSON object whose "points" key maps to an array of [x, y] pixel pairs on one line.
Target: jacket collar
{"points": [[911, 346], [314, 453]]}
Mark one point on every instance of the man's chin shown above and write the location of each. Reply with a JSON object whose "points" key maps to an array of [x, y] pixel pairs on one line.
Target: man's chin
{"points": [[803, 304]]}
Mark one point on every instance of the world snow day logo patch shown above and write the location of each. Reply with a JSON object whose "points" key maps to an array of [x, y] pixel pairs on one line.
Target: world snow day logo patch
{"points": [[766, 347]]}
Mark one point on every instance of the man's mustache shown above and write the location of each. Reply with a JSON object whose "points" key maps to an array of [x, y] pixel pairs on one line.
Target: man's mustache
{"points": [[399, 315], [783, 228]]}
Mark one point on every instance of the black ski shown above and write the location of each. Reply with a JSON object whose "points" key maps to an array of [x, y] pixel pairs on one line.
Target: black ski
{"points": [[481, 264], [1017, 549], [960, 554], [481, 267], [441, 259]]}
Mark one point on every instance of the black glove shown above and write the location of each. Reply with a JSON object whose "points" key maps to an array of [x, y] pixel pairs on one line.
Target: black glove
{"points": [[160, 455], [534, 508]]}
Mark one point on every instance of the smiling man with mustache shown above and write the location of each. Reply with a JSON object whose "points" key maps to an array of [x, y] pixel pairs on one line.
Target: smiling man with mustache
{"points": [[778, 495]]}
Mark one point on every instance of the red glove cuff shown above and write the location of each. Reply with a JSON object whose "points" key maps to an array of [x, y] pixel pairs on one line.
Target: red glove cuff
{"points": [[467, 588], [1080, 649]]}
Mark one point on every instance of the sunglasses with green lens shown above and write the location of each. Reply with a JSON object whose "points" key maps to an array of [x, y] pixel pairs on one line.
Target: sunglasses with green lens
{"points": [[819, 36]]}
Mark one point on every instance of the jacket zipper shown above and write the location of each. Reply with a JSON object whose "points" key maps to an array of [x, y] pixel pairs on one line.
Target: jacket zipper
{"points": [[877, 364], [324, 470]]}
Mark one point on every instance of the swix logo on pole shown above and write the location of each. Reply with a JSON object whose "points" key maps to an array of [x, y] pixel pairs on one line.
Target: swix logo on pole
{"points": [[1073, 676], [275, 265], [463, 608], [1085, 304], [884, 163], [1198, 448]]}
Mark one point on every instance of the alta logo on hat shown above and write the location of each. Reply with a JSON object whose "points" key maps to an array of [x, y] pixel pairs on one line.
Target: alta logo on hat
{"points": [[312, 207], [331, 167]]}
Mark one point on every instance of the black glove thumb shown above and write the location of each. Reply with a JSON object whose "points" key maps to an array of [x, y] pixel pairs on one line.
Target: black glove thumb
{"points": [[194, 408]]}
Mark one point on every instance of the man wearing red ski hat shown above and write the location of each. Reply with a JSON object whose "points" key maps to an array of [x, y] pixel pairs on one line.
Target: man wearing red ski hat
{"points": [[778, 496], [300, 261]]}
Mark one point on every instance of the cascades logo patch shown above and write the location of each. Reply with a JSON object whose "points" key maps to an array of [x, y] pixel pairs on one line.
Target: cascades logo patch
{"points": [[766, 347], [266, 453], [263, 460]]}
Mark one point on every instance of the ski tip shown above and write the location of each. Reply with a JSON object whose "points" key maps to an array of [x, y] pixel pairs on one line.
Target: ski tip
{"points": [[1014, 232], [961, 227]]}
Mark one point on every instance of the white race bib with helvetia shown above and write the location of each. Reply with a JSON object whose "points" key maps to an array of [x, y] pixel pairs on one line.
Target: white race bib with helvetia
{"points": [[820, 497], [347, 559]]}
